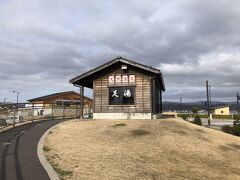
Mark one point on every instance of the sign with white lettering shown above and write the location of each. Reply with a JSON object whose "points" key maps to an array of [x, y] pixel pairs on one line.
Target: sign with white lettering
{"points": [[121, 95]]}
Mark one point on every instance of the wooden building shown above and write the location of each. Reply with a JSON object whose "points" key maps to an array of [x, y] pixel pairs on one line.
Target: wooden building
{"points": [[62, 98], [124, 89]]}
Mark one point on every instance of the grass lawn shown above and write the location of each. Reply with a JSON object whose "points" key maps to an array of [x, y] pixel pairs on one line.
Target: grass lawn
{"points": [[142, 149]]}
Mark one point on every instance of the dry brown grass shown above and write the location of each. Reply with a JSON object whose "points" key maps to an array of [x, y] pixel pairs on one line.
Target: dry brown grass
{"points": [[143, 149]]}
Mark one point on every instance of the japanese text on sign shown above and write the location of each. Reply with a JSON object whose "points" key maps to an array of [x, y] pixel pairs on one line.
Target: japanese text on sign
{"points": [[121, 95], [123, 79]]}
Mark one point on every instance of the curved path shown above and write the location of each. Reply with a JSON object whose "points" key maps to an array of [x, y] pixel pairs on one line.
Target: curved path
{"points": [[18, 151]]}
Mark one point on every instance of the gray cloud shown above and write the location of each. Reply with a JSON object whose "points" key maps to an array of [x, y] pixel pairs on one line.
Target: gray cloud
{"points": [[44, 44]]}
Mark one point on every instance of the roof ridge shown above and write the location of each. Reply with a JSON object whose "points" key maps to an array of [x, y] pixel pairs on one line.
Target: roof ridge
{"points": [[114, 60]]}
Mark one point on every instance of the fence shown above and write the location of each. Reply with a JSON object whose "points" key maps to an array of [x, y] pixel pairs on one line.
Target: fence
{"points": [[13, 114]]}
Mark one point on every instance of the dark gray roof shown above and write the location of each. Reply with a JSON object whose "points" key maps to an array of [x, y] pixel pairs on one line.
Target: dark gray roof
{"points": [[123, 60]]}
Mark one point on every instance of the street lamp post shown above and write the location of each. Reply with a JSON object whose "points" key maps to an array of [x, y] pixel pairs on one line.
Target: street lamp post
{"points": [[16, 109], [17, 95]]}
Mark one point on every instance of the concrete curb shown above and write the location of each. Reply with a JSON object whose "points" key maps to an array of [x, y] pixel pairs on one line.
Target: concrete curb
{"points": [[50, 171]]}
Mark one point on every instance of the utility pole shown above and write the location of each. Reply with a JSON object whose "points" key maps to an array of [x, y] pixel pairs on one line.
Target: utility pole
{"points": [[181, 105], [208, 102], [210, 97], [17, 95], [238, 104]]}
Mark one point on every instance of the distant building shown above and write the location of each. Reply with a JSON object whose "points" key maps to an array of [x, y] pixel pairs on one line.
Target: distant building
{"points": [[220, 110], [62, 98]]}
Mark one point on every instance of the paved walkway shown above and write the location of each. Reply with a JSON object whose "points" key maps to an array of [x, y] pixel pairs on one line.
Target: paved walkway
{"points": [[18, 151]]}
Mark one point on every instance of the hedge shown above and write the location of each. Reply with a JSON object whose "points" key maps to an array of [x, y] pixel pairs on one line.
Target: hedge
{"points": [[206, 116]]}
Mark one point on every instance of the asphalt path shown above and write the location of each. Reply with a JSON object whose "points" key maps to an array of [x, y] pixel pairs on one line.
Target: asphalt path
{"points": [[18, 151]]}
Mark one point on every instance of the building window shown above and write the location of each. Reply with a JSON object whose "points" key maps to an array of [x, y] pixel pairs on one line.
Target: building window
{"points": [[222, 112], [121, 95]]}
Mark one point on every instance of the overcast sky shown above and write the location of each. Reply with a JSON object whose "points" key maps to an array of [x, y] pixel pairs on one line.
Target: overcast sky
{"points": [[44, 43]]}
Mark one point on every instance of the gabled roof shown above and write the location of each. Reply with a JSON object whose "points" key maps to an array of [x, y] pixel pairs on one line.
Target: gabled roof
{"points": [[42, 98], [117, 60]]}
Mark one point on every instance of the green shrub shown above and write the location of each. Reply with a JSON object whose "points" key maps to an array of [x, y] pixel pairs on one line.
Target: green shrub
{"points": [[203, 115], [184, 117], [181, 115], [235, 130], [236, 117], [236, 122], [195, 109], [197, 120], [46, 148], [227, 129], [222, 116]]}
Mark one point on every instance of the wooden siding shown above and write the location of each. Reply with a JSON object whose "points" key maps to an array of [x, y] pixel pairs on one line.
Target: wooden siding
{"points": [[142, 99]]}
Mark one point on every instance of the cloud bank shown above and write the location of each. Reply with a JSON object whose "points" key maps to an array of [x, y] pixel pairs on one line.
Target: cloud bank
{"points": [[44, 43]]}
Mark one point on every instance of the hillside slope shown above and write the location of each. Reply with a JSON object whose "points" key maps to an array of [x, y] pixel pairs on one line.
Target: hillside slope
{"points": [[142, 149]]}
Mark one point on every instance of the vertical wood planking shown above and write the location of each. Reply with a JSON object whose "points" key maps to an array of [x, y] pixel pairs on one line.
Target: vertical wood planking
{"points": [[142, 93]]}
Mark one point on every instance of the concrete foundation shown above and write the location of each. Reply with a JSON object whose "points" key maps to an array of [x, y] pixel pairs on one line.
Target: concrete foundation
{"points": [[156, 116], [122, 115]]}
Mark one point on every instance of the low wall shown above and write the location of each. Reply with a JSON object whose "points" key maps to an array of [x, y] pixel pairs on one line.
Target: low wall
{"points": [[122, 116]]}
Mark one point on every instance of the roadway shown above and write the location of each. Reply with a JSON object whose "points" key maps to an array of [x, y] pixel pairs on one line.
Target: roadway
{"points": [[18, 151]]}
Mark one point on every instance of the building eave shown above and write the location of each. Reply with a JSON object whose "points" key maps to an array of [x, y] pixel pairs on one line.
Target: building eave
{"points": [[77, 80]]}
